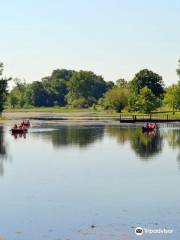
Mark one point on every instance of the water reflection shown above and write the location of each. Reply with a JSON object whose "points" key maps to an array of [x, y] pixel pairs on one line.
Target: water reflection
{"points": [[173, 140], [75, 188], [81, 136], [3, 150], [145, 145], [19, 135]]}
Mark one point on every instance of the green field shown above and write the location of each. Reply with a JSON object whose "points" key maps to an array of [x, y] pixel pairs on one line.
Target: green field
{"points": [[63, 110], [95, 112]]}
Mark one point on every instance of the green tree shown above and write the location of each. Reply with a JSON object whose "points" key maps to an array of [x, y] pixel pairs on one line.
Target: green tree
{"points": [[85, 84], [132, 102], [178, 94], [109, 85], [3, 89], [178, 70], [172, 96], [56, 86], [62, 87], [147, 101], [17, 95], [62, 74], [56, 91], [80, 103], [20, 86], [13, 99], [122, 83], [147, 78], [36, 94], [116, 99]]}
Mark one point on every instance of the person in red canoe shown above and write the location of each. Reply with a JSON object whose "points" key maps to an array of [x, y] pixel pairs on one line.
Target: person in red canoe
{"points": [[151, 125], [27, 122], [15, 126], [23, 127]]}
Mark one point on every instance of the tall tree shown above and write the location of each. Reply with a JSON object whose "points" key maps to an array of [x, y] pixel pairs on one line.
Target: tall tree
{"points": [[56, 86], [109, 85], [3, 89], [56, 90], [147, 101], [20, 86], [122, 83], [36, 94], [178, 70], [13, 99], [147, 78], [85, 84], [172, 96], [116, 99]]}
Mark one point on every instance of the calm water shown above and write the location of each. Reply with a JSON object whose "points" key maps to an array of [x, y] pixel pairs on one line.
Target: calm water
{"points": [[59, 181]]}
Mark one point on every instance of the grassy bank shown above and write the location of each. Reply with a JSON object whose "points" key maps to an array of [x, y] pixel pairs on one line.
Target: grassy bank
{"points": [[90, 112], [98, 111], [2, 119], [47, 109]]}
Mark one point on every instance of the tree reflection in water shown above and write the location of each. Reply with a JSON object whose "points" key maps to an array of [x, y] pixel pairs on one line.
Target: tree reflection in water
{"points": [[81, 136], [3, 151], [145, 145], [173, 139]]}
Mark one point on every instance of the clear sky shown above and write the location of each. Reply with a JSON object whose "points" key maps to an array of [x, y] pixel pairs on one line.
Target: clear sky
{"points": [[113, 38]]}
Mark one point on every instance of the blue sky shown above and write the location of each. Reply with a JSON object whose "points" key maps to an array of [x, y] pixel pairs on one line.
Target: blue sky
{"points": [[113, 38]]}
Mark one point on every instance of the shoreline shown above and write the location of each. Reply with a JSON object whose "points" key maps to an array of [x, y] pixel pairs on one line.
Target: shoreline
{"points": [[48, 119], [78, 116]]}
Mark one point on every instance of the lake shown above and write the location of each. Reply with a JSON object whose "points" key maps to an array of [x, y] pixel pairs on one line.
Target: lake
{"points": [[89, 182]]}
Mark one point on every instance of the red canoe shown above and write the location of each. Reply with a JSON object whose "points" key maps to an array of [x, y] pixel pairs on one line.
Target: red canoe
{"points": [[18, 130]]}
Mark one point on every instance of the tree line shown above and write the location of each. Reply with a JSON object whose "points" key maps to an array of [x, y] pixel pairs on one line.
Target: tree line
{"points": [[64, 87], [83, 89]]}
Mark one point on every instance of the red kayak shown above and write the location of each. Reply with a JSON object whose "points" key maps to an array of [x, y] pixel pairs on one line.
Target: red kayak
{"points": [[149, 127], [19, 130]]}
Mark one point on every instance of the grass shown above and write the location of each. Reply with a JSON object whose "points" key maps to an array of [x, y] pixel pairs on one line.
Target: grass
{"points": [[161, 113], [98, 111], [48, 109], [2, 119]]}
